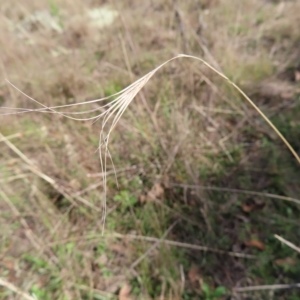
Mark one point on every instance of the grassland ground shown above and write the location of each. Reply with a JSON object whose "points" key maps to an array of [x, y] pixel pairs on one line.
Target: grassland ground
{"points": [[203, 183]]}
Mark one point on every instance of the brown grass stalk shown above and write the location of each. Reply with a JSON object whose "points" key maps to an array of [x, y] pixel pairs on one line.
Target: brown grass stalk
{"points": [[115, 109]]}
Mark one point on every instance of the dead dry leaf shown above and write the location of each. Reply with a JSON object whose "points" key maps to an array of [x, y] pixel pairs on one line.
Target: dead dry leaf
{"points": [[286, 262], [194, 274], [287, 95], [75, 184], [255, 244], [297, 76], [102, 259], [143, 199], [124, 293], [247, 208], [8, 263], [276, 88], [120, 249], [156, 192]]}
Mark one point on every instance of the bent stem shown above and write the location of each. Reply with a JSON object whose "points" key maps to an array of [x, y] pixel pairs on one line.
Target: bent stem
{"points": [[118, 106]]}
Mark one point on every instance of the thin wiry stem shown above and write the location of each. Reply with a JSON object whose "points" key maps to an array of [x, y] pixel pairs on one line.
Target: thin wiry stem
{"points": [[182, 245], [267, 287], [15, 289], [291, 245], [238, 191], [118, 106], [249, 101]]}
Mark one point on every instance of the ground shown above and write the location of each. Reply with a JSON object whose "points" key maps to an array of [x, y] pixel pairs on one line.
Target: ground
{"points": [[196, 182]]}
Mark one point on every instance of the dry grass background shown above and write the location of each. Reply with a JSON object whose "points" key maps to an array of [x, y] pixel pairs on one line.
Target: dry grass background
{"points": [[185, 129]]}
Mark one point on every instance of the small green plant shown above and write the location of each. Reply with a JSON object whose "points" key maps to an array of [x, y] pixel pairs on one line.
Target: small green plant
{"points": [[55, 12], [54, 9], [39, 293], [37, 262], [126, 199], [210, 294], [46, 292], [112, 89]]}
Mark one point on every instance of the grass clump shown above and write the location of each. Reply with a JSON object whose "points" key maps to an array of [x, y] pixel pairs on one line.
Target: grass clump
{"points": [[199, 171]]}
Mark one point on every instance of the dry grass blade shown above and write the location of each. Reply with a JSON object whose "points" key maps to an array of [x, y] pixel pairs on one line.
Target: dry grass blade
{"points": [[155, 245], [34, 169], [10, 137], [118, 106], [15, 289], [106, 295], [291, 245], [34, 240], [29, 234], [250, 101], [238, 191], [182, 245], [267, 287]]}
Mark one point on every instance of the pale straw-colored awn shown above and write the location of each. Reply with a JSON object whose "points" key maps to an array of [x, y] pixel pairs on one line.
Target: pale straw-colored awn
{"points": [[117, 107]]}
